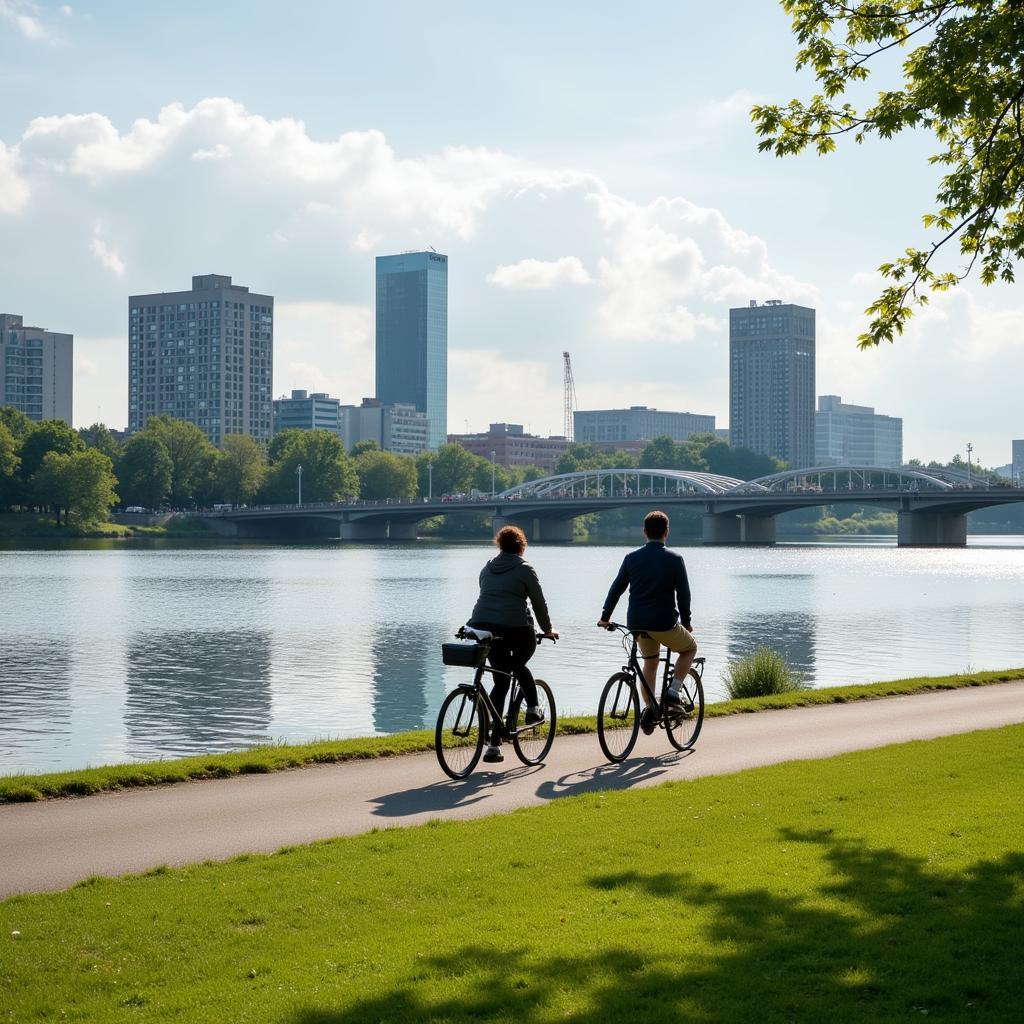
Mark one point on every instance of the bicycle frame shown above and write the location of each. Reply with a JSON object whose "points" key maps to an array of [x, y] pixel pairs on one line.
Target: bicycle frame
{"points": [[635, 669]]}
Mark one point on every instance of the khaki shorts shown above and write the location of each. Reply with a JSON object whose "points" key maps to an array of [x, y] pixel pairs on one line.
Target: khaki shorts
{"points": [[675, 639]]}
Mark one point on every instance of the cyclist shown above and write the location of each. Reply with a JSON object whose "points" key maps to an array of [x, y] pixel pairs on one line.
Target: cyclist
{"points": [[657, 582], [506, 582]]}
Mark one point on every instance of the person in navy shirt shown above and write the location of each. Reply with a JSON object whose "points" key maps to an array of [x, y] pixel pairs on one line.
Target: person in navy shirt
{"points": [[659, 605]]}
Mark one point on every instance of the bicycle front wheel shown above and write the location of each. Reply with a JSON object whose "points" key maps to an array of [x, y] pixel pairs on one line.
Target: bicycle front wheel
{"points": [[618, 717], [459, 736], [532, 742], [683, 724]]}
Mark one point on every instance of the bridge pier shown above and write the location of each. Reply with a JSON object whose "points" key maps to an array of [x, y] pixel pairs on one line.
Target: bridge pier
{"points": [[931, 529], [757, 529], [378, 529], [552, 531], [720, 529]]}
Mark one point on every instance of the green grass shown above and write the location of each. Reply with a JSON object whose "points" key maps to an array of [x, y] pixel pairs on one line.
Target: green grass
{"points": [[278, 757], [885, 885]]}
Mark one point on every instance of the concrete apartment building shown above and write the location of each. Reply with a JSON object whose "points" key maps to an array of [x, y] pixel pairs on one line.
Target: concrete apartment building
{"points": [[625, 429], [305, 411], [771, 380], [855, 435], [412, 336], [205, 355], [513, 447], [398, 428], [36, 370], [1017, 461]]}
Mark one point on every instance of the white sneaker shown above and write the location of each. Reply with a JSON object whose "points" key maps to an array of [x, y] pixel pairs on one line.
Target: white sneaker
{"points": [[493, 754]]}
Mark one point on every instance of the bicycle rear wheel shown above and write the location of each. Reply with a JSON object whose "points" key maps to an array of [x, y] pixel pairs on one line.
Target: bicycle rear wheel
{"points": [[618, 717], [533, 742], [683, 724], [459, 736]]}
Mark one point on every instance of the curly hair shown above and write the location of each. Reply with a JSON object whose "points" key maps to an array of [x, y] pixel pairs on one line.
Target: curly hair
{"points": [[511, 540]]}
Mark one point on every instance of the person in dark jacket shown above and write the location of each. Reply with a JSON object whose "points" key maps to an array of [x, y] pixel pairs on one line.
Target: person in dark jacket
{"points": [[657, 583], [507, 581]]}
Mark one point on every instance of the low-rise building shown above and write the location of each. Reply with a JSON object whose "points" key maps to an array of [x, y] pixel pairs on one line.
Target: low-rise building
{"points": [[398, 428], [36, 370], [855, 435], [637, 423], [512, 446], [305, 411]]}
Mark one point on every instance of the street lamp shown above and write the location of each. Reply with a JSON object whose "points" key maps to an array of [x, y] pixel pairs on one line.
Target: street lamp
{"points": [[970, 448], [298, 473], [492, 474], [430, 479]]}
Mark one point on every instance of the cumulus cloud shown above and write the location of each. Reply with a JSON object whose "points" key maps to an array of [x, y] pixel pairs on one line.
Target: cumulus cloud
{"points": [[25, 17], [14, 189], [534, 275], [107, 255], [218, 152]]}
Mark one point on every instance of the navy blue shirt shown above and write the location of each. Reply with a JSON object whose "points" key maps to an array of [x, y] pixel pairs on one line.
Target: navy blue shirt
{"points": [[657, 582]]}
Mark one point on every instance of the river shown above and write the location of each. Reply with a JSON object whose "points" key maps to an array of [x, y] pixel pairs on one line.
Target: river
{"points": [[113, 651]]}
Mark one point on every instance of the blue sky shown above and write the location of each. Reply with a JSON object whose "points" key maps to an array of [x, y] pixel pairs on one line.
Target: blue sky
{"points": [[591, 172]]}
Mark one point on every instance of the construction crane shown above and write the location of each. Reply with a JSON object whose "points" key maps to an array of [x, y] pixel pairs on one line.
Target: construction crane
{"points": [[570, 395]]}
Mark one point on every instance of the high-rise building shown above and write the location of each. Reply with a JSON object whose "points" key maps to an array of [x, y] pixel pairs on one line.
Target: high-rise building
{"points": [[771, 380], [637, 423], [412, 336], [204, 355], [1017, 462], [855, 435], [397, 428], [305, 411], [511, 446], [36, 370]]}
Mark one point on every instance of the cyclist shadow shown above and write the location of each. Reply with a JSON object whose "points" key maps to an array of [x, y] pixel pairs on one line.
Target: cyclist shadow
{"points": [[629, 773], [448, 795]]}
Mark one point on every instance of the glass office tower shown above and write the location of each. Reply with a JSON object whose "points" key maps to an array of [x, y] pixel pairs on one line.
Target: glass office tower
{"points": [[412, 336]]}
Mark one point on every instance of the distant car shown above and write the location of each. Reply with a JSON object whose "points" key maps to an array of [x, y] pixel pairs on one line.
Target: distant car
{"points": [[135, 508]]}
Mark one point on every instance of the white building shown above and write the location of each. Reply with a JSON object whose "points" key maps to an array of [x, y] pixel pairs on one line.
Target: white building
{"points": [[398, 428], [855, 435]]}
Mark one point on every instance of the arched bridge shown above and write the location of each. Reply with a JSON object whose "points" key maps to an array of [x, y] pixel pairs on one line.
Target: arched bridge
{"points": [[932, 504]]}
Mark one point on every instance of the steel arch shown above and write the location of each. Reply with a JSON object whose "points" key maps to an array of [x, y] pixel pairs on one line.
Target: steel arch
{"points": [[620, 482], [777, 482]]}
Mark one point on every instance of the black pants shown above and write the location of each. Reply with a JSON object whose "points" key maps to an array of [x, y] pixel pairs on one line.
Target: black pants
{"points": [[510, 654]]}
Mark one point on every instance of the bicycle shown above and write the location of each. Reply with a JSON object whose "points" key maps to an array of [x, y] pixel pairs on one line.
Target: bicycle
{"points": [[618, 713], [464, 719]]}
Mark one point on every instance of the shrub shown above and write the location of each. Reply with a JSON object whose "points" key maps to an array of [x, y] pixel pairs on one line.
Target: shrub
{"points": [[760, 674]]}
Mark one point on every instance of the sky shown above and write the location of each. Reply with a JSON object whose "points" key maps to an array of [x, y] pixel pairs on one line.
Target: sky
{"points": [[589, 168]]}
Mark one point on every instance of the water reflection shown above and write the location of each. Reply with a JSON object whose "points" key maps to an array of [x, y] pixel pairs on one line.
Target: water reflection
{"points": [[791, 635], [195, 691], [408, 679], [35, 677]]}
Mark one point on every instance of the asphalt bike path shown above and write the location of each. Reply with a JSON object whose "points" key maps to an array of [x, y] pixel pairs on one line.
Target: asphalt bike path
{"points": [[53, 844]]}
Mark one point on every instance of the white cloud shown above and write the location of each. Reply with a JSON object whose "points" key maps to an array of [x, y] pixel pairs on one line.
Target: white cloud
{"points": [[67, 10], [24, 16], [218, 152], [533, 275], [14, 189], [107, 255]]}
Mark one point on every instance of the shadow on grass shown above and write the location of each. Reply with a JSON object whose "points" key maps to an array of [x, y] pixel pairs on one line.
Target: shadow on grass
{"points": [[888, 937], [449, 794]]}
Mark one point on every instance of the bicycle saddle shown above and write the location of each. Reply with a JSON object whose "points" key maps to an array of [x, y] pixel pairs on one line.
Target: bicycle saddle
{"points": [[480, 635]]}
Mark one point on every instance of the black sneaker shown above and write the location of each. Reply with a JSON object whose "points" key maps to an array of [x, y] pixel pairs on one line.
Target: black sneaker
{"points": [[534, 716], [493, 754], [648, 720], [672, 697]]}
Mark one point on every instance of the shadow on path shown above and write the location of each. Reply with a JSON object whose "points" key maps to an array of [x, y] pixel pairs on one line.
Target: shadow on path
{"points": [[610, 776], [883, 937], [448, 795]]}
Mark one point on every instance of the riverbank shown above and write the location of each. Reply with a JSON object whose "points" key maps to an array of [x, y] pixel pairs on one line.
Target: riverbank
{"points": [[36, 526], [874, 885], [265, 759]]}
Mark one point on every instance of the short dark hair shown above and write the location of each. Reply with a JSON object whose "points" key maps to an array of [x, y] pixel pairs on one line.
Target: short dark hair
{"points": [[511, 540], [656, 525]]}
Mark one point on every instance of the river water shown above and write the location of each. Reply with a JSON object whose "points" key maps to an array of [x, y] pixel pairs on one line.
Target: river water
{"points": [[113, 652]]}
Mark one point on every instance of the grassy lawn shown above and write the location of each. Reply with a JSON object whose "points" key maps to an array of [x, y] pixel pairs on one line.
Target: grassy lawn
{"points": [[883, 885], [17, 788]]}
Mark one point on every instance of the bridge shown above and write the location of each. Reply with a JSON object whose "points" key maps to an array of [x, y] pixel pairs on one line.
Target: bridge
{"points": [[931, 505]]}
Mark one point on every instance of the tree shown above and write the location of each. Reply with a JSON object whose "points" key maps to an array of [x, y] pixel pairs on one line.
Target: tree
{"points": [[9, 463], [965, 83], [241, 468], [98, 436], [144, 471], [15, 421], [328, 473], [82, 483], [484, 474], [578, 457], [47, 436], [453, 469], [360, 447], [739, 462], [192, 456], [386, 475], [664, 453]]}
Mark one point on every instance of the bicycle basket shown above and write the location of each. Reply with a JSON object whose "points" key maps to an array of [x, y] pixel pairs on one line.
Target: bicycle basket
{"points": [[464, 655]]}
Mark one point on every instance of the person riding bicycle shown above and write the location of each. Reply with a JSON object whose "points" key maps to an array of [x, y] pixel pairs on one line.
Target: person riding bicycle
{"points": [[506, 582], [657, 582]]}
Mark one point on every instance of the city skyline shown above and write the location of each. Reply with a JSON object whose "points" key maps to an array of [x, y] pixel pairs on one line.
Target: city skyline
{"points": [[624, 238]]}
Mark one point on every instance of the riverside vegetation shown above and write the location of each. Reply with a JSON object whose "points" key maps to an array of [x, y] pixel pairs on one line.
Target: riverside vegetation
{"points": [[279, 757], [881, 885]]}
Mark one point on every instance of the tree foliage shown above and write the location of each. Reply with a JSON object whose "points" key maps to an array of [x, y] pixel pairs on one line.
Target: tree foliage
{"points": [[588, 456], [964, 81], [144, 471], [15, 421], [386, 475], [193, 457], [44, 437], [241, 468], [81, 482], [98, 436], [328, 472]]}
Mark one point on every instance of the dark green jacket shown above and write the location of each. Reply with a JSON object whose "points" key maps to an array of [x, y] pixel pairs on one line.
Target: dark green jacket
{"points": [[506, 582]]}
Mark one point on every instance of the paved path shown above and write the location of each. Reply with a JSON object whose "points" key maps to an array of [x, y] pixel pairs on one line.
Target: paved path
{"points": [[53, 844]]}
